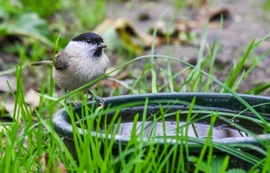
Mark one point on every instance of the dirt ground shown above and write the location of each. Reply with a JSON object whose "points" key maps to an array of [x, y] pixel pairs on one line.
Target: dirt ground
{"points": [[248, 21]]}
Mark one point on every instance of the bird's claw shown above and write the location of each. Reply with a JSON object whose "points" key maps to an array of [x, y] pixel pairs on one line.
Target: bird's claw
{"points": [[74, 104], [98, 99]]}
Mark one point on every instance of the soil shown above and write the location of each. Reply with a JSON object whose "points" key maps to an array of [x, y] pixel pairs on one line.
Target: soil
{"points": [[247, 22]]}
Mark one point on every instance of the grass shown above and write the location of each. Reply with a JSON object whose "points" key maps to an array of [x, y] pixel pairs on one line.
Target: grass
{"points": [[28, 140], [30, 143]]}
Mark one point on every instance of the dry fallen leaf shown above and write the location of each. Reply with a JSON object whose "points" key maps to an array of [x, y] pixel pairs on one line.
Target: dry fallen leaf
{"points": [[5, 80], [7, 110], [32, 98], [122, 34], [212, 14], [179, 31], [58, 166]]}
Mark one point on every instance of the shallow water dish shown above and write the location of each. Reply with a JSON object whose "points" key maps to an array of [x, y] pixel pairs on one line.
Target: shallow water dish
{"points": [[166, 114]]}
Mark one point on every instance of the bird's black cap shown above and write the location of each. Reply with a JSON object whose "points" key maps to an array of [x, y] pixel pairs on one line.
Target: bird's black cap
{"points": [[89, 37]]}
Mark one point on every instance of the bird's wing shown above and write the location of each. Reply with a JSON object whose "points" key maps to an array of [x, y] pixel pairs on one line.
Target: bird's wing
{"points": [[59, 63]]}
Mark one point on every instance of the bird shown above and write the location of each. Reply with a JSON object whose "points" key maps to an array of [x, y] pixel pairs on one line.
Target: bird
{"points": [[80, 62]]}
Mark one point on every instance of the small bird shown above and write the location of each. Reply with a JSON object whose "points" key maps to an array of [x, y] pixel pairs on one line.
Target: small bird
{"points": [[80, 62]]}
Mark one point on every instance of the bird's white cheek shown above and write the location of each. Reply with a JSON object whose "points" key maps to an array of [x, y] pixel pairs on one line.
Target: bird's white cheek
{"points": [[89, 68], [104, 62]]}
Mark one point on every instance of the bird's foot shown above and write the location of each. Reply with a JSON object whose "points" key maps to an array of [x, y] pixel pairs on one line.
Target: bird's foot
{"points": [[73, 104], [100, 101], [69, 102]]}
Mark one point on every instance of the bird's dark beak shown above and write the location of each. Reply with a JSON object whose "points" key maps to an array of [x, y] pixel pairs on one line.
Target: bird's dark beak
{"points": [[102, 45]]}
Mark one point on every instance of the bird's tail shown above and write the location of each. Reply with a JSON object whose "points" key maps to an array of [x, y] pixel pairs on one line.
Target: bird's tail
{"points": [[48, 62]]}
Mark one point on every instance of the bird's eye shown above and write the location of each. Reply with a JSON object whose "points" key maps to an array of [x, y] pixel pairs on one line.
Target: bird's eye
{"points": [[88, 41]]}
